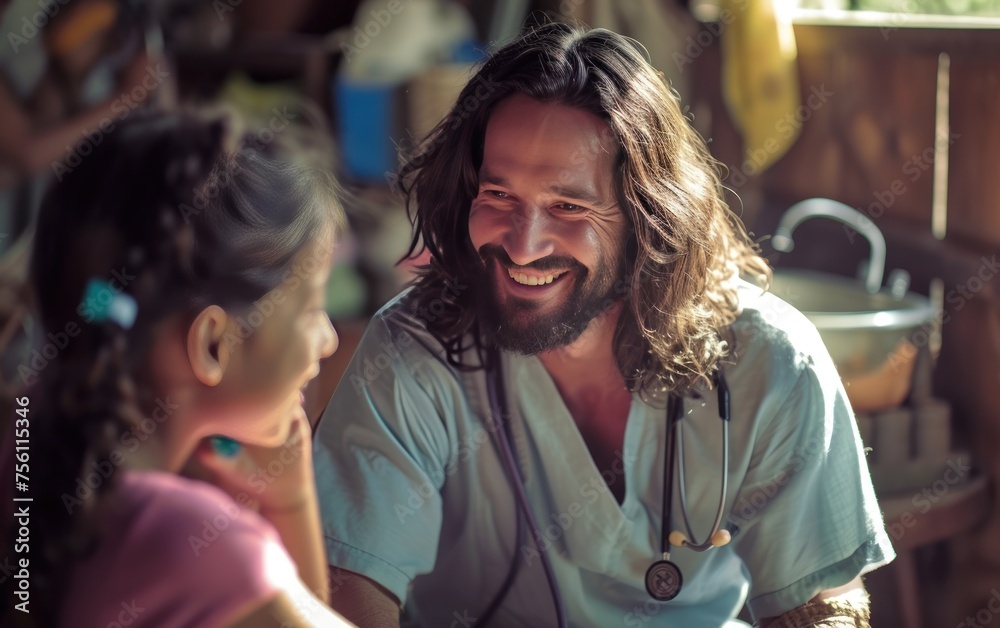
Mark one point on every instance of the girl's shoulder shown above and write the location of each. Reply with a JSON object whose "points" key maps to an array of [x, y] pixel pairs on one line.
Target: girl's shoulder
{"points": [[186, 518], [179, 496], [187, 549]]}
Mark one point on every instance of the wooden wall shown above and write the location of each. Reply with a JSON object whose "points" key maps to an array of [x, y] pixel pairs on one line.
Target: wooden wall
{"points": [[870, 145]]}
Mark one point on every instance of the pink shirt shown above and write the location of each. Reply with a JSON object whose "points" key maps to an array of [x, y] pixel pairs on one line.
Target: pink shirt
{"points": [[176, 552]]}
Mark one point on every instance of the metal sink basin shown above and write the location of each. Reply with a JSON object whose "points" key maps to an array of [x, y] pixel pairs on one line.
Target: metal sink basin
{"points": [[860, 329]]}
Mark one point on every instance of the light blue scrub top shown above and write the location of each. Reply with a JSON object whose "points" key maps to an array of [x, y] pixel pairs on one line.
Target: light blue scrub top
{"points": [[414, 496]]}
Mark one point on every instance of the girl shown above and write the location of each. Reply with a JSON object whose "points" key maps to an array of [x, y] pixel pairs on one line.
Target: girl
{"points": [[180, 278]]}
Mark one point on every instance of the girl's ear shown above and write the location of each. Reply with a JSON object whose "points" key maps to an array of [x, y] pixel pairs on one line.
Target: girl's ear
{"points": [[206, 347]]}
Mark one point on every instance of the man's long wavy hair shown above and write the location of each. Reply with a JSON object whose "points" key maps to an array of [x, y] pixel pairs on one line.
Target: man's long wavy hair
{"points": [[686, 246]]}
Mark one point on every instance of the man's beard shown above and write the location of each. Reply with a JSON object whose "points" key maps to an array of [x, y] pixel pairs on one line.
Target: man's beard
{"points": [[512, 324]]}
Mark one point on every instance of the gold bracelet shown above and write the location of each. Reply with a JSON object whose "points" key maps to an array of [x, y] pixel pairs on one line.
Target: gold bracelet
{"points": [[837, 612]]}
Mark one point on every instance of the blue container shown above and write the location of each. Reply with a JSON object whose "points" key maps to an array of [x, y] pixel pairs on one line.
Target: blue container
{"points": [[365, 121]]}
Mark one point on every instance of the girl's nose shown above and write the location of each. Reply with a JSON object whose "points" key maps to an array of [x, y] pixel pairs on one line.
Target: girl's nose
{"points": [[329, 340]]}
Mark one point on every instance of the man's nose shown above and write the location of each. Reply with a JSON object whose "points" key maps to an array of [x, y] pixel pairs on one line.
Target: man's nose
{"points": [[529, 236]]}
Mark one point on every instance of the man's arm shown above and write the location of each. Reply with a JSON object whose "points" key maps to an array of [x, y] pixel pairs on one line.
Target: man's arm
{"points": [[361, 600], [385, 434], [841, 607], [290, 609]]}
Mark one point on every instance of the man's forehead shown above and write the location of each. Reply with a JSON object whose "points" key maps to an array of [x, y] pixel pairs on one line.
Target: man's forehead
{"points": [[528, 130]]}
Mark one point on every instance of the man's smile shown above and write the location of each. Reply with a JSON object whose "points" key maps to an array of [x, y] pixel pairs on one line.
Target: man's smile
{"points": [[533, 278], [527, 283]]}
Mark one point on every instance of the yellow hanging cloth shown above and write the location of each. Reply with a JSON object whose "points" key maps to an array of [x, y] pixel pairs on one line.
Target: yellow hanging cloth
{"points": [[760, 81]]}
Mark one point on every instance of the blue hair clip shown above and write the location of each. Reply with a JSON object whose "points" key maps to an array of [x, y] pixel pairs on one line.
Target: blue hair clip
{"points": [[225, 447], [106, 303]]}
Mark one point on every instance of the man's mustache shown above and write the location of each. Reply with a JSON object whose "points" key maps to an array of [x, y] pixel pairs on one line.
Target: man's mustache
{"points": [[552, 262]]}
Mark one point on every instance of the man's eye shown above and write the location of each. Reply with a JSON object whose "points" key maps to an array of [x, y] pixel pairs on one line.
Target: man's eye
{"points": [[570, 207], [498, 194]]}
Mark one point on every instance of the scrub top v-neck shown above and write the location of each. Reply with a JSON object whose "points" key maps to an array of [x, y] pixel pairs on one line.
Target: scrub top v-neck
{"points": [[414, 496]]}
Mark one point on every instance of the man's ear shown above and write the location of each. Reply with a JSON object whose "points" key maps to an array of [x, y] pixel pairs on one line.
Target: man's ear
{"points": [[207, 350]]}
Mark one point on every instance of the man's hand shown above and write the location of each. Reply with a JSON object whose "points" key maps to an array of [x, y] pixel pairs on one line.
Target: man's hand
{"points": [[362, 601], [841, 607]]}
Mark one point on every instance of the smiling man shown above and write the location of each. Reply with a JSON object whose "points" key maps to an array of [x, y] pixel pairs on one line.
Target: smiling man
{"points": [[518, 458], [546, 280]]}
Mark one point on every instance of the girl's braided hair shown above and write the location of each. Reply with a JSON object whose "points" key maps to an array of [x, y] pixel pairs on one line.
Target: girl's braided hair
{"points": [[177, 212]]}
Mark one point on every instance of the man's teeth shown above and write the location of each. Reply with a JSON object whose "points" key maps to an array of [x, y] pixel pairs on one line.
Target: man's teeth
{"points": [[531, 281]]}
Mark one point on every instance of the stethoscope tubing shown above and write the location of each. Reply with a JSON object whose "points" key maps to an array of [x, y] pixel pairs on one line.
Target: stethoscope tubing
{"points": [[674, 448], [707, 545], [724, 414], [515, 565], [498, 405]]}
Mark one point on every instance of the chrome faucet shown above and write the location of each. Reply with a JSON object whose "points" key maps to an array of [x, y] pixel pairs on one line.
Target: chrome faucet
{"points": [[829, 208]]}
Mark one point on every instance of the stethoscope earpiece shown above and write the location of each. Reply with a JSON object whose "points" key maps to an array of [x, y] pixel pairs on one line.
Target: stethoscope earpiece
{"points": [[677, 539], [720, 538]]}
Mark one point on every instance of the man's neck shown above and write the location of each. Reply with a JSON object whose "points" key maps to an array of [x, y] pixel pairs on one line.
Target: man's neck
{"points": [[585, 371], [586, 375]]}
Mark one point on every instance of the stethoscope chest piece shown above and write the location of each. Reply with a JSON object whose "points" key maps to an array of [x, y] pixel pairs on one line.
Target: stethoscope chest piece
{"points": [[663, 580]]}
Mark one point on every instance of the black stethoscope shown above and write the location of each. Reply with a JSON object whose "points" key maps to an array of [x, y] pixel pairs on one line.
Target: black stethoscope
{"points": [[663, 578]]}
